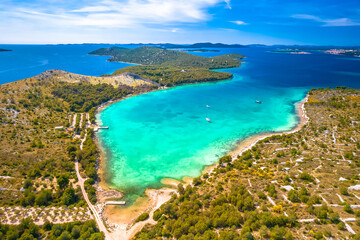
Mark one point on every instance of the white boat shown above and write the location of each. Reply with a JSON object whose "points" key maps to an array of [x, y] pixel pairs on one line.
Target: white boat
{"points": [[207, 106], [208, 119], [258, 101]]}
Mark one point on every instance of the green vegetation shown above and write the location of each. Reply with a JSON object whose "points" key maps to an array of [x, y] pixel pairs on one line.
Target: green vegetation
{"points": [[170, 76], [37, 160], [84, 96], [169, 58], [28, 230], [142, 217], [87, 157]]}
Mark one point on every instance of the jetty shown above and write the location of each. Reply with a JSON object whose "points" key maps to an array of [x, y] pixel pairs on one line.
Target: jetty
{"points": [[115, 203], [97, 128]]}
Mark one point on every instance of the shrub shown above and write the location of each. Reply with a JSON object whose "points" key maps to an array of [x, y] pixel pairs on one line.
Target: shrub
{"points": [[142, 217]]}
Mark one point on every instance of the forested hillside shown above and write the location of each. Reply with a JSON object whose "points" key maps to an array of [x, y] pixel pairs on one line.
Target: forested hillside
{"points": [[171, 76], [158, 56]]}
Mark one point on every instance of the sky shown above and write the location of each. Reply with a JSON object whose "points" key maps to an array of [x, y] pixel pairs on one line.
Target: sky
{"points": [[305, 22]]}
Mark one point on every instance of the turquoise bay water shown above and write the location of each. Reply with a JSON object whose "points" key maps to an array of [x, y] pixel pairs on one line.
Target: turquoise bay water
{"points": [[165, 134]]}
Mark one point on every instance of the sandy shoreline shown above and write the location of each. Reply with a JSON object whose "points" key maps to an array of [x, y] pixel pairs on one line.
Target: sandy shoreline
{"points": [[123, 218]]}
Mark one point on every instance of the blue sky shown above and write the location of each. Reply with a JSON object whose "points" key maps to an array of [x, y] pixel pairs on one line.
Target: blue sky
{"points": [[317, 22]]}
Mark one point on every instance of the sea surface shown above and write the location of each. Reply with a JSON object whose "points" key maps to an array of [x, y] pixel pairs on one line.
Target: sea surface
{"points": [[26, 61], [165, 134]]}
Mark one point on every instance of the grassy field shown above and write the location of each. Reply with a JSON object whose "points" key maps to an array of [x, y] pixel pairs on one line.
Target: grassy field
{"points": [[293, 186]]}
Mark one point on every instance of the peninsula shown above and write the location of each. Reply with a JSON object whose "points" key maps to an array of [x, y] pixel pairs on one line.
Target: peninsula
{"points": [[48, 155]]}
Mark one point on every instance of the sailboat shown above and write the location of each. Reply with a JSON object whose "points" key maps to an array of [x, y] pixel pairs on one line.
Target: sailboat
{"points": [[208, 119]]}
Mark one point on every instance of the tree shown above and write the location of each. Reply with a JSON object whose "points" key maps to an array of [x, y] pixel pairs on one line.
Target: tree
{"points": [[69, 197], [334, 217], [28, 183], [27, 236], [341, 226], [47, 226], [225, 159], [293, 196], [65, 236], [62, 181], [75, 233], [142, 217], [264, 232], [43, 198]]}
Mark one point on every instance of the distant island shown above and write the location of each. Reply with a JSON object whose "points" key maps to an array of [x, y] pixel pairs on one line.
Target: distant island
{"points": [[292, 185], [5, 50], [346, 52], [208, 45], [201, 50], [290, 51], [169, 67]]}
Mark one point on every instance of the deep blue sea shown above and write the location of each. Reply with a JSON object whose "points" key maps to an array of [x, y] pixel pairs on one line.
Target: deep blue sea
{"points": [[165, 134], [29, 60]]}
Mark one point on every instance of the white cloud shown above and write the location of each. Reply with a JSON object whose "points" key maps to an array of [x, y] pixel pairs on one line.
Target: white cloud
{"points": [[337, 22], [111, 13], [239, 22], [228, 4]]}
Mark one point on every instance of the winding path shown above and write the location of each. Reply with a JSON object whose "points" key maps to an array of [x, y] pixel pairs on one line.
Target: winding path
{"points": [[81, 180]]}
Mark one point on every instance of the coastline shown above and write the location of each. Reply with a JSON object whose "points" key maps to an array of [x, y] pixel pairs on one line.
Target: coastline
{"points": [[122, 219]]}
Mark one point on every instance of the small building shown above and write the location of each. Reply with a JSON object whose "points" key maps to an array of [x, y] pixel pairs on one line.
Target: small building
{"points": [[59, 128]]}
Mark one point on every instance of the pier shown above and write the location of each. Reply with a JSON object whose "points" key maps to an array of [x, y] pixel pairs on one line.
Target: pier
{"points": [[115, 203], [97, 128]]}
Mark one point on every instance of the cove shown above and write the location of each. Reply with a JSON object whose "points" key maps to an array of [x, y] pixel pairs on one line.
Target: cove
{"points": [[164, 134]]}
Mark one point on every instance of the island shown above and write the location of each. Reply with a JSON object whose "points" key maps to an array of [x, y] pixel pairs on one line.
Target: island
{"points": [[170, 68], [346, 52], [290, 51], [201, 50]]}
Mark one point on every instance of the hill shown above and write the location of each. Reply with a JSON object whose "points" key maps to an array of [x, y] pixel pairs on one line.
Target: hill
{"points": [[171, 76], [32, 150], [158, 56]]}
